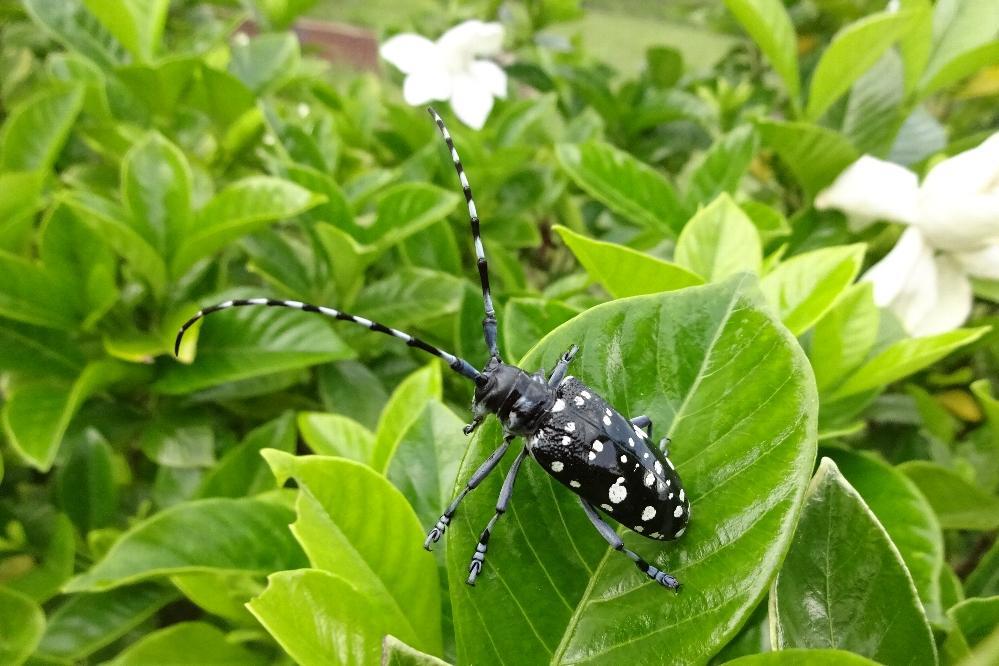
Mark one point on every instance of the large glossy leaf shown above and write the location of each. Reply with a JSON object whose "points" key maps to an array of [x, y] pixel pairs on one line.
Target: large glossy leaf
{"points": [[844, 585], [623, 271], [768, 23], [958, 504], [814, 154], [36, 130], [853, 51], [336, 435], [137, 24], [240, 208], [242, 471], [973, 621], [404, 210], [624, 184], [223, 535], [719, 241], [806, 286], [844, 336], [319, 618], [906, 516], [803, 657], [21, 625], [250, 342], [187, 642], [156, 187], [729, 384], [404, 407], [905, 357], [90, 620], [377, 551], [85, 485]]}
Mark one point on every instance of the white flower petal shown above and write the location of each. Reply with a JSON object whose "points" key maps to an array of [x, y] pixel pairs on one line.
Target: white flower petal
{"points": [[466, 40], [410, 53], [953, 300], [872, 189], [471, 101], [959, 199], [894, 272], [491, 75], [982, 263], [426, 85]]}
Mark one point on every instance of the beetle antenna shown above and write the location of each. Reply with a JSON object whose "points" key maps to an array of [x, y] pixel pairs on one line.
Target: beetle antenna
{"points": [[489, 323], [459, 365]]}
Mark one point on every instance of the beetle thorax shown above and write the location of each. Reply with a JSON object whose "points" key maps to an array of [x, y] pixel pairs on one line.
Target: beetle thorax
{"points": [[518, 399]]}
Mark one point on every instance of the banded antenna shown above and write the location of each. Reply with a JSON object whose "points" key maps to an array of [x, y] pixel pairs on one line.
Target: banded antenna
{"points": [[459, 365], [489, 322]]}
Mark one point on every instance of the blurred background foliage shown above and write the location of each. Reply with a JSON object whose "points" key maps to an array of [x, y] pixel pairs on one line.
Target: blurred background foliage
{"points": [[156, 157]]}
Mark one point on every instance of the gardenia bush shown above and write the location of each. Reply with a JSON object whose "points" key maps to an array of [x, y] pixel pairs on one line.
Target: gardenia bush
{"points": [[784, 255]]}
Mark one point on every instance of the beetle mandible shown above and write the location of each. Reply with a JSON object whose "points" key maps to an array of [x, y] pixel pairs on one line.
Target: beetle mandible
{"points": [[607, 460]]}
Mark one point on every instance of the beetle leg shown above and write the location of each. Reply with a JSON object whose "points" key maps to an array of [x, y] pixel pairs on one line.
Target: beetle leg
{"points": [[614, 539], [481, 473], [643, 422], [558, 374], [475, 566]]}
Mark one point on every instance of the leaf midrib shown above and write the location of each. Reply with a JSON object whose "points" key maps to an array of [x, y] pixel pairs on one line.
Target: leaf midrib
{"points": [[584, 600]]}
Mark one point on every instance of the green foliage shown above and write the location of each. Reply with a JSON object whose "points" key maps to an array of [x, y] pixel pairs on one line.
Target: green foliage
{"points": [[154, 162]]}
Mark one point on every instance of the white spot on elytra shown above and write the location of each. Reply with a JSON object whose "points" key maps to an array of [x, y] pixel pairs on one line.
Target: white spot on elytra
{"points": [[607, 411], [598, 446], [624, 459], [606, 420], [670, 496], [646, 455], [618, 492], [606, 507], [655, 535], [670, 463], [681, 495], [659, 468], [566, 440], [592, 456], [585, 394], [557, 466], [578, 400], [574, 484], [648, 513], [678, 512], [631, 442], [570, 426], [638, 528], [679, 532], [559, 405], [650, 479]]}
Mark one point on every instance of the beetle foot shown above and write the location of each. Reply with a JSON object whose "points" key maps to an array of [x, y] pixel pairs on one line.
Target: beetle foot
{"points": [[475, 566], [434, 535], [663, 578]]}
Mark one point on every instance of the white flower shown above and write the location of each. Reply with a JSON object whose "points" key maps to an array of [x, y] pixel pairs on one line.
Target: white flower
{"points": [[451, 69], [953, 234]]}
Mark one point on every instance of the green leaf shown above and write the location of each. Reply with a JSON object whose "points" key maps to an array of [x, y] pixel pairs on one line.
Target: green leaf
{"points": [[52, 562], [336, 435], [156, 187], [377, 551], [623, 271], [173, 443], [36, 415], [844, 585], [85, 485], [973, 621], [721, 168], [241, 208], [961, 67], [960, 28], [397, 653], [719, 241], [31, 294], [225, 595], [852, 51], [74, 26], [814, 154], [403, 408], [958, 504], [526, 320], [242, 472], [742, 418], [768, 23], [805, 287], [274, 339], [624, 184], [905, 357], [87, 622], [187, 643], [802, 657], [266, 61], [137, 24], [404, 210], [906, 516], [320, 619], [211, 535], [915, 45], [34, 133], [160, 86], [44, 351], [426, 460], [844, 336], [21, 625], [983, 581], [874, 112]]}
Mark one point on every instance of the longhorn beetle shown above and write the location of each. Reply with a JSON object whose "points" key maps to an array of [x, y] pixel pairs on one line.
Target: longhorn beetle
{"points": [[580, 440]]}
